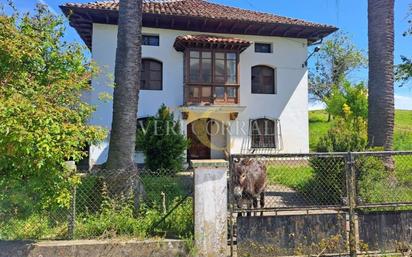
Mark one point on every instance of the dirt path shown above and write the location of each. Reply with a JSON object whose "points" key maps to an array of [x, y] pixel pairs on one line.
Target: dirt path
{"points": [[282, 196]]}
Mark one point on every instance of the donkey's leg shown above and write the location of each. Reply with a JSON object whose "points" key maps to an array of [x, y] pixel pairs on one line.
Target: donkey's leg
{"points": [[255, 205], [249, 206], [262, 202], [239, 206]]}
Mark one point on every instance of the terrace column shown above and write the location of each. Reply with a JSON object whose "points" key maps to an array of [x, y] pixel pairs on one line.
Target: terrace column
{"points": [[210, 207]]}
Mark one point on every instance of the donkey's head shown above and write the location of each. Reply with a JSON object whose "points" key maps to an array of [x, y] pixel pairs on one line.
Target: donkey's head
{"points": [[240, 178]]}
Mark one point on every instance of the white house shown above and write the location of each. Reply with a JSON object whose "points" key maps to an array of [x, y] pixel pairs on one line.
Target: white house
{"points": [[236, 79]]}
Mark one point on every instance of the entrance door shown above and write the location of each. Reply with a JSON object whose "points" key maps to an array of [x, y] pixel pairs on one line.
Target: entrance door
{"points": [[197, 133]]}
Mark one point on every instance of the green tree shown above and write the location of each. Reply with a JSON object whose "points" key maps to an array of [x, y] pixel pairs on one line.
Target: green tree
{"points": [[349, 101], [336, 59], [403, 72], [381, 98], [162, 142], [43, 120], [127, 86]]}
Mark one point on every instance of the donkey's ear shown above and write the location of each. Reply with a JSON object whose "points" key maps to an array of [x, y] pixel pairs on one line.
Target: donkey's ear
{"points": [[247, 161]]}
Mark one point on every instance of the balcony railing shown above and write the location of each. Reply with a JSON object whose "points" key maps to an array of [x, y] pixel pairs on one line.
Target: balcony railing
{"points": [[211, 94]]}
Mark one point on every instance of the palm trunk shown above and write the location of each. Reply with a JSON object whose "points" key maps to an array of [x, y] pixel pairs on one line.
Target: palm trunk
{"points": [[123, 177], [127, 85], [381, 73]]}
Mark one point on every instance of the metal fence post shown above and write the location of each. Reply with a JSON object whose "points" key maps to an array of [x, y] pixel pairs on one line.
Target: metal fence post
{"points": [[351, 186], [72, 215], [71, 219]]}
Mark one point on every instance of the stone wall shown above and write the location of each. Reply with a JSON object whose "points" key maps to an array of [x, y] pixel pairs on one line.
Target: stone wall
{"points": [[386, 231], [291, 235], [92, 248]]}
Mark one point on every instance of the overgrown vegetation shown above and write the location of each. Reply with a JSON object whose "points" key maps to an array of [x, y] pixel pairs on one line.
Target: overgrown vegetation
{"points": [[323, 179], [43, 119], [319, 125], [376, 186], [100, 216], [348, 133], [162, 141]]}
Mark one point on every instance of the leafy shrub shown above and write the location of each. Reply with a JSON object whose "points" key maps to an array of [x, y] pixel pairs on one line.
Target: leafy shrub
{"points": [[328, 185], [348, 100], [43, 120], [344, 136], [378, 185], [371, 174], [162, 142]]}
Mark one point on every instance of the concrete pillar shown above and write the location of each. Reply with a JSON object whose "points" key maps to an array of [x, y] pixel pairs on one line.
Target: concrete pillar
{"points": [[210, 207]]}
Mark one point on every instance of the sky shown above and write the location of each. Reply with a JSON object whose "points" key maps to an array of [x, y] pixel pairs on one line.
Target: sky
{"points": [[349, 16]]}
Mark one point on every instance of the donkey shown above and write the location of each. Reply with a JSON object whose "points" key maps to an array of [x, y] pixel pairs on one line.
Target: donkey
{"points": [[249, 183]]}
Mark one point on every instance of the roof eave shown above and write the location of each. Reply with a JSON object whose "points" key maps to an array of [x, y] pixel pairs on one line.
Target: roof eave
{"points": [[82, 20]]}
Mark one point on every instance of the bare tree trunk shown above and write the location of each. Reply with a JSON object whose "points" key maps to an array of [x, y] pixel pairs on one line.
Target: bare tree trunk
{"points": [[127, 85], [381, 73]]}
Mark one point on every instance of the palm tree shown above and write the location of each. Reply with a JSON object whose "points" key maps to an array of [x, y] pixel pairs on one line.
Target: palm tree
{"points": [[127, 85], [381, 73]]}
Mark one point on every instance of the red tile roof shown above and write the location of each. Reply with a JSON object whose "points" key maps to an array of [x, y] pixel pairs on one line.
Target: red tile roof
{"points": [[200, 8], [195, 15], [212, 39], [182, 42]]}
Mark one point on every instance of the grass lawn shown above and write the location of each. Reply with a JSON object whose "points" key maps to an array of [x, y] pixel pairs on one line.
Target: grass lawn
{"points": [[318, 126], [295, 177]]}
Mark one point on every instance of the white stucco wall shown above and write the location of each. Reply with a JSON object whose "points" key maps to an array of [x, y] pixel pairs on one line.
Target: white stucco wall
{"points": [[218, 140], [289, 105]]}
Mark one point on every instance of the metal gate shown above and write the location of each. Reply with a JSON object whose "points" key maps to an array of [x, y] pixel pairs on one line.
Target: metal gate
{"points": [[322, 204]]}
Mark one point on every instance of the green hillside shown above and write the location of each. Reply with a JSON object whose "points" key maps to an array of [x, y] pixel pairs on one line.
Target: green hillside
{"points": [[318, 126]]}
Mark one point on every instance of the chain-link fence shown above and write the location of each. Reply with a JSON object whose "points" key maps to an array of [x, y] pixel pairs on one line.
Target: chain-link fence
{"points": [[344, 204], [320, 180], [383, 179], [104, 205]]}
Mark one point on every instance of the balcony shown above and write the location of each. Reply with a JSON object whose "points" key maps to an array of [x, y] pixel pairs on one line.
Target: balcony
{"points": [[196, 94], [211, 71]]}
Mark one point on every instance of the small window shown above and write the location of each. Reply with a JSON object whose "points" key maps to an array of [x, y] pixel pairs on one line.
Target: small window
{"points": [[150, 40], [200, 65], [263, 80], [151, 75], [263, 133], [263, 48]]}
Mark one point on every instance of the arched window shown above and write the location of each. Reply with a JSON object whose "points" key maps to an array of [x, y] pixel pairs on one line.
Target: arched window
{"points": [[263, 80], [151, 75], [263, 133]]}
